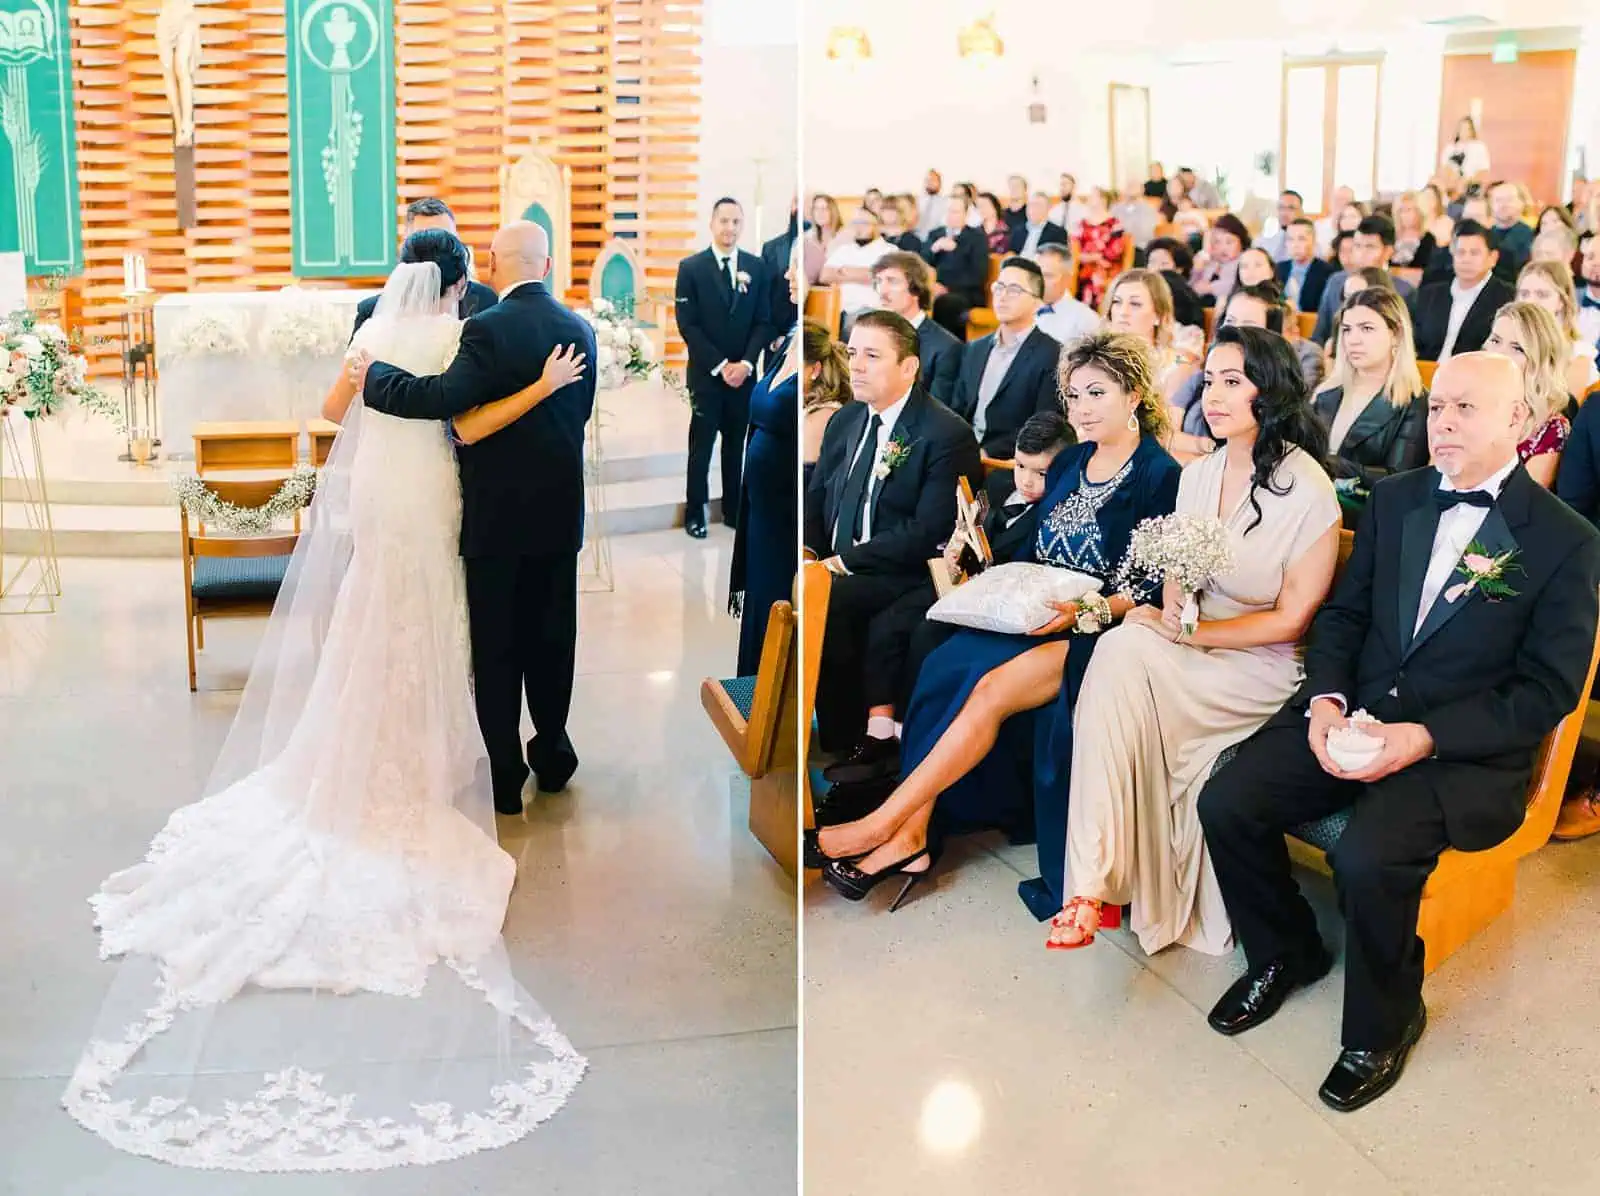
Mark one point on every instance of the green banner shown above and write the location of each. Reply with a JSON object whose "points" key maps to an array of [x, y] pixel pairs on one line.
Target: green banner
{"points": [[341, 136], [39, 211]]}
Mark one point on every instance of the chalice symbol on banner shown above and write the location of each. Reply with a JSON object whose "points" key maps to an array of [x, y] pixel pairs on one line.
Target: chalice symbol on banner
{"points": [[328, 43], [27, 35]]}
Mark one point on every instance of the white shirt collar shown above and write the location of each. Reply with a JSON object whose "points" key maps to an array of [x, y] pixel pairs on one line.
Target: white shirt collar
{"points": [[515, 285], [1457, 292], [916, 320], [1493, 484], [890, 415], [1000, 337], [731, 256]]}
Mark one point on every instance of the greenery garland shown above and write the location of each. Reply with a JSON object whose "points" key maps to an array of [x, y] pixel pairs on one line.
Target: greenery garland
{"points": [[203, 504]]}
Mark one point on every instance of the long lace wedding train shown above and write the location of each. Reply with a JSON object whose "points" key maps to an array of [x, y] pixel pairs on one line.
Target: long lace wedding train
{"points": [[315, 978]]}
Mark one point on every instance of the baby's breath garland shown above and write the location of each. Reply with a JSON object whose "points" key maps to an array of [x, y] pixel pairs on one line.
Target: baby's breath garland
{"points": [[203, 504]]}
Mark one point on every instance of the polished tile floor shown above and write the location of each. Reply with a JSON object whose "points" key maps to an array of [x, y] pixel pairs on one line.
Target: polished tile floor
{"points": [[650, 924], [946, 1052]]}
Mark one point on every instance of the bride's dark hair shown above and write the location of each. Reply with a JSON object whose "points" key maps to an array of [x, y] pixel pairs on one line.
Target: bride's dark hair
{"points": [[441, 247], [1282, 408]]}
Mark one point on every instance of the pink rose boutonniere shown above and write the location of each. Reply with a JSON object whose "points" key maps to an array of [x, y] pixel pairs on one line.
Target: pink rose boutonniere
{"points": [[1480, 571]]}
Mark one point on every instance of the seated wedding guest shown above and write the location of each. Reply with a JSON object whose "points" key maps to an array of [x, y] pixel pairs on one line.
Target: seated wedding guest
{"points": [[1328, 226], [1413, 243], [763, 565], [1550, 286], [1217, 272], [1530, 336], [1174, 261], [1437, 222], [905, 287], [1303, 274], [1467, 682], [1138, 219], [1556, 219], [850, 262], [1182, 211], [1155, 187], [827, 389], [1290, 208], [827, 224], [961, 739], [1255, 267], [1069, 208], [996, 232], [1512, 236], [1588, 287], [1099, 241], [1140, 303], [1248, 307], [1036, 230], [1202, 191], [881, 501], [1015, 213], [1557, 245], [1373, 245], [1455, 317], [897, 219], [960, 259], [1062, 317], [1161, 702], [1011, 373], [930, 205], [974, 213], [1373, 405], [1360, 280]]}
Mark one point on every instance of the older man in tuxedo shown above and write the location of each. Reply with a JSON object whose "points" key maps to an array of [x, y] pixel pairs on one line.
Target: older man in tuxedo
{"points": [[1464, 622], [881, 501], [433, 213]]}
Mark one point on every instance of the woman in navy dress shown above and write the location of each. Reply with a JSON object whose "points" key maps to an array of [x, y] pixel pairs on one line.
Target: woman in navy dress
{"points": [[764, 544], [986, 707]]}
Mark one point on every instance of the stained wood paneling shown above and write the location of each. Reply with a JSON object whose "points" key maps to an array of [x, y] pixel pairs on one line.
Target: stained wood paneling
{"points": [[1524, 113]]}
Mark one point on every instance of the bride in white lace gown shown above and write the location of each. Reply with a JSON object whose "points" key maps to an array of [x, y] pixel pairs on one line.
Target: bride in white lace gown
{"points": [[346, 845]]}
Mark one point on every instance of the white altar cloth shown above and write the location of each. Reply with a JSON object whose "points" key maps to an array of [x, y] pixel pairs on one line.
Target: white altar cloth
{"points": [[258, 384]]}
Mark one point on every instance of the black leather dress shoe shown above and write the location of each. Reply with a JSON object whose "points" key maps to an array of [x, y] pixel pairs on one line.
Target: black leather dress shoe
{"points": [[694, 522], [870, 760], [1256, 996], [847, 803], [1361, 1077]]}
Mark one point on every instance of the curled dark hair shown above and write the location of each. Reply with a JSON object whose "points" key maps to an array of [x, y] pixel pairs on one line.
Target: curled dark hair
{"points": [[1269, 296], [1282, 410], [444, 249], [1182, 256]]}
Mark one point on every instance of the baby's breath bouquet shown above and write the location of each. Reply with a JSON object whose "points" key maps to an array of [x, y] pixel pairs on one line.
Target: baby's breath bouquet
{"points": [[1191, 551], [41, 370]]}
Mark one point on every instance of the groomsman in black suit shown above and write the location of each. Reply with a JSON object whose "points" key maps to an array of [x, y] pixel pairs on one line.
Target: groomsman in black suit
{"points": [[1010, 374], [775, 256], [881, 501], [723, 316], [1456, 317], [905, 286], [959, 255], [1036, 228], [433, 213], [1464, 622], [521, 510]]}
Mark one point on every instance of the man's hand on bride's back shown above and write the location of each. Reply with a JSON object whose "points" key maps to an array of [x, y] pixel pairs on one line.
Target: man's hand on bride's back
{"points": [[356, 365], [564, 366]]}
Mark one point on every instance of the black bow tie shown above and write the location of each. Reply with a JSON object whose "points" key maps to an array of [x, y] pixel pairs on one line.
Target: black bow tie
{"points": [[1446, 499], [1585, 300]]}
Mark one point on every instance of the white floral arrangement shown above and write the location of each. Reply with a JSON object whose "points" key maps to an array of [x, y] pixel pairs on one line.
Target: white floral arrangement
{"points": [[1191, 551], [203, 504], [41, 373], [625, 351], [303, 326], [208, 334]]}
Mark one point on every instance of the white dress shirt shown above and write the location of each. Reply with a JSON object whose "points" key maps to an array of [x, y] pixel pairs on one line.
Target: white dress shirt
{"points": [[930, 214], [916, 320], [1457, 527], [1067, 319], [1461, 302], [857, 296], [1588, 317], [1001, 356], [887, 420]]}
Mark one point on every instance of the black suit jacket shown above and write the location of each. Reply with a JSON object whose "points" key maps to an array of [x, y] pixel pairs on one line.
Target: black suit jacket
{"points": [[964, 269], [1384, 439], [914, 508], [781, 310], [1317, 275], [477, 299], [1578, 482], [522, 488], [1029, 387], [1432, 318], [1007, 543], [940, 354], [1050, 234], [1488, 678], [907, 242], [718, 325]]}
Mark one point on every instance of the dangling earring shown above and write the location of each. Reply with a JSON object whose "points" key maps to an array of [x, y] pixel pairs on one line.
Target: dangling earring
{"points": [[1133, 421]]}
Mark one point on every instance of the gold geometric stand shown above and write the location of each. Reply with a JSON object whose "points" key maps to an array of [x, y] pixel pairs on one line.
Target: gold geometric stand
{"points": [[594, 564], [30, 577]]}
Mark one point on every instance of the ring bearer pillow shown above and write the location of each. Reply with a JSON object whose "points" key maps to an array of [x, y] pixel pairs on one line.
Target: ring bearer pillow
{"points": [[1012, 599]]}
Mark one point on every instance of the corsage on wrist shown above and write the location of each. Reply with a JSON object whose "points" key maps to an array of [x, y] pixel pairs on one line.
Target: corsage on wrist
{"points": [[1094, 614]]}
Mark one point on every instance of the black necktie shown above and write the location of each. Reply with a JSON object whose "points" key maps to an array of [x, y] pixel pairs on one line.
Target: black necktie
{"points": [[853, 504], [727, 273], [1585, 300], [1446, 499]]}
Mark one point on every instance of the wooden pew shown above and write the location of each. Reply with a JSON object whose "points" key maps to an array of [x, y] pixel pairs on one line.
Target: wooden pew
{"points": [[246, 445], [981, 321], [816, 584], [826, 307], [1427, 370], [1308, 324]]}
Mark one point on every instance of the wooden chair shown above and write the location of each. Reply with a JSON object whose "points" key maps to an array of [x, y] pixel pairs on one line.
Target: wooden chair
{"points": [[991, 464], [1168, 231], [1308, 324], [227, 576], [322, 433], [816, 584], [826, 307], [246, 445], [1128, 252], [1427, 370], [981, 321], [1209, 318], [756, 717]]}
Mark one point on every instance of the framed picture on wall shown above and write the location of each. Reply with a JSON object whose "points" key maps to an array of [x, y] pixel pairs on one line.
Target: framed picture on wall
{"points": [[1130, 136]]}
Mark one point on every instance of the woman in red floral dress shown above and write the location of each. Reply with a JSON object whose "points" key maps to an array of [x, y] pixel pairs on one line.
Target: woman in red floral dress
{"points": [[1100, 243]]}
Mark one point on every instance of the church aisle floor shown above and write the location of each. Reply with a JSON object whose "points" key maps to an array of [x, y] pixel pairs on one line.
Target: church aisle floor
{"points": [[655, 930]]}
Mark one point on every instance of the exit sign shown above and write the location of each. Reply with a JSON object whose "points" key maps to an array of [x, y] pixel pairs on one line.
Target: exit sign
{"points": [[1505, 50]]}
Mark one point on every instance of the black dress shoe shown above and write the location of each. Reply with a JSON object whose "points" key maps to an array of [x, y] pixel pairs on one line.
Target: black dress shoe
{"points": [[1256, 996], [870, 760], [847, 803], [1361, 1077], [694, 523]]}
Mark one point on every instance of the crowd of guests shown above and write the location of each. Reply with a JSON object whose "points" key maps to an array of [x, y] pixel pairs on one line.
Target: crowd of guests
{"points": [[1157, 764]]}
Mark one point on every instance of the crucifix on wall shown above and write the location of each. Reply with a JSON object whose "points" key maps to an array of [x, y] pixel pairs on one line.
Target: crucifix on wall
{"points": [[178, 45]]}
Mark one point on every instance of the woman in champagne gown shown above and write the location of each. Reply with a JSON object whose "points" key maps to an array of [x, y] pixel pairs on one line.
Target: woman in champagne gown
{"points": [[1159, 705]]}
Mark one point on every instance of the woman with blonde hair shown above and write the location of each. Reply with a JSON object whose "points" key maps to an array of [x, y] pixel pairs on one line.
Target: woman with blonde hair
{"points": [[1139, 302], [826, 227], [1435, 216], [1550, 285], [978, 691], [1373, 403], [1530, 336], [827, 388], [1413, 242]]}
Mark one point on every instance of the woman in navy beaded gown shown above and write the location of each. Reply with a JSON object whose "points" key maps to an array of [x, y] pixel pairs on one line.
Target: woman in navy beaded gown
{"points": [[768, 530], [988, 734]]}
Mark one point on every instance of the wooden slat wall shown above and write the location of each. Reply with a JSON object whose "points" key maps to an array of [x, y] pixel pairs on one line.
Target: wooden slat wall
{"points": [[479, 82]]}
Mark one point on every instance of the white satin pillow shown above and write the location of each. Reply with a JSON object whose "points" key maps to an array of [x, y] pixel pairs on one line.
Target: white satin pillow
{"points": [[1012, 598]]}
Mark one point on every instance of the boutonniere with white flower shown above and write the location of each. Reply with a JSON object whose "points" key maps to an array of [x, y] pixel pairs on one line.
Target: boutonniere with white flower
{"points": [[893, 456], [742, 281], [1480, 571]]}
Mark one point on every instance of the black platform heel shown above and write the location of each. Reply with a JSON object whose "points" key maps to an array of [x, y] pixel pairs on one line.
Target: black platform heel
{"points": [[853, 884], [814, 857]]}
